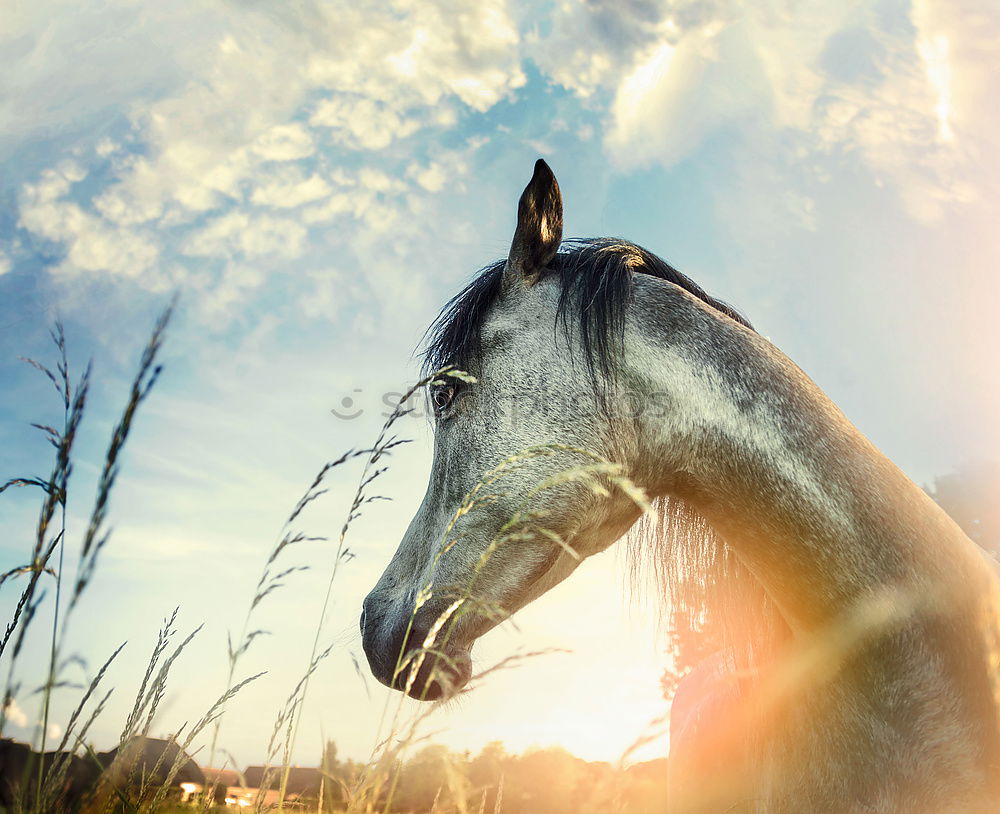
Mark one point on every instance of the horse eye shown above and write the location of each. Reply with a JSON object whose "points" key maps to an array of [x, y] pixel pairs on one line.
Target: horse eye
{"points": [[442, 397]]}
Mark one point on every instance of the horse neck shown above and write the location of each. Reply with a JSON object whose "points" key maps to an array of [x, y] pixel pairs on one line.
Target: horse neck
{"points": [[821, 518]]}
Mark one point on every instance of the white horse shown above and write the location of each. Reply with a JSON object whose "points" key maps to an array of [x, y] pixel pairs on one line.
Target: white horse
{"points": [[853, 623]]}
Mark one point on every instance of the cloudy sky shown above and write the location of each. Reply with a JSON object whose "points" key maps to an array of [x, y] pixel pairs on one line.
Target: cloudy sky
{"points": [[316, 179]]}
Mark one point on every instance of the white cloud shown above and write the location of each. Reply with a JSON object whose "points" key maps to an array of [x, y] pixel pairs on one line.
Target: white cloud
{"points": [[285, 142], [432, 177], [242, 143], [416, 54], [448, 168], [361, 123], [959, 47], [65, 74], [135, 200], [831, 78], [106, 147], [207, 141], [705, 71], [590, 47], [374, 179], [5, 263], [334, 206], [289, 189], [90, 242], [240, 234], [366, 194], [15, 714], [669, 102]]}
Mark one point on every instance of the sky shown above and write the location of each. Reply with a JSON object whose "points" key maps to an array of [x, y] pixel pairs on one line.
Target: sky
{"points": [[314, 180]]}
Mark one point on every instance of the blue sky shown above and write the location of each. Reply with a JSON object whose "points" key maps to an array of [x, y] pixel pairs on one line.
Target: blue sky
{"points": [[315, 180]]}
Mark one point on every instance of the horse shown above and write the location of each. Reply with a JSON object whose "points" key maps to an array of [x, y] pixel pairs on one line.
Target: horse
{"points": [[837, 628]]}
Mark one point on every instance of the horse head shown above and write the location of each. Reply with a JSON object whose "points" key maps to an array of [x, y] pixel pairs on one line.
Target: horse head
{"points": [[501, 521]]}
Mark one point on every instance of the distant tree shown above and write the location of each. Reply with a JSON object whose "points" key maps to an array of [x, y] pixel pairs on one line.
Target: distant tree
{"points": [[486, 771], [329, 760], [338, 776], [645, 789], [543, 781], [432, 774], [971, 495]]}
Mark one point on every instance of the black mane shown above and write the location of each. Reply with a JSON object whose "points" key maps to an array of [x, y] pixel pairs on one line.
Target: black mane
{"points": [[596, 284]]}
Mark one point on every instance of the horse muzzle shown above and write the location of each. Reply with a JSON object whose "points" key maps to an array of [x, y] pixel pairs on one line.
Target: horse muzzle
{"points": [[402, 656]]}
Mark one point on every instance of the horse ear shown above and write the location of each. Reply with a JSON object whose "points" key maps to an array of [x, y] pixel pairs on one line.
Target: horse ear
{"points": [[539, 225]]}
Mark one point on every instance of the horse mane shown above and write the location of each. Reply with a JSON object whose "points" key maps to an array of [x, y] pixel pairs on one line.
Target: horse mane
{"points": [[595, 276], [710, 601]]}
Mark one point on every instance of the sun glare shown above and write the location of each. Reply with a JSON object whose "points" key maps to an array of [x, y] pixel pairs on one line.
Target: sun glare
{"points": [[634, 90], [623, 720], [934, 52], [597, 701]]}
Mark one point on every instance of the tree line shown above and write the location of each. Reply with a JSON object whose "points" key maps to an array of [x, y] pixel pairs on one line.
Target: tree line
{"points": [[540, 781]]}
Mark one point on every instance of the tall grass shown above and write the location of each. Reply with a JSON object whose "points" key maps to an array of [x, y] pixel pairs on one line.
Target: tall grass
{"points": [[124, 786], [50, 538], [40, 790]]}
